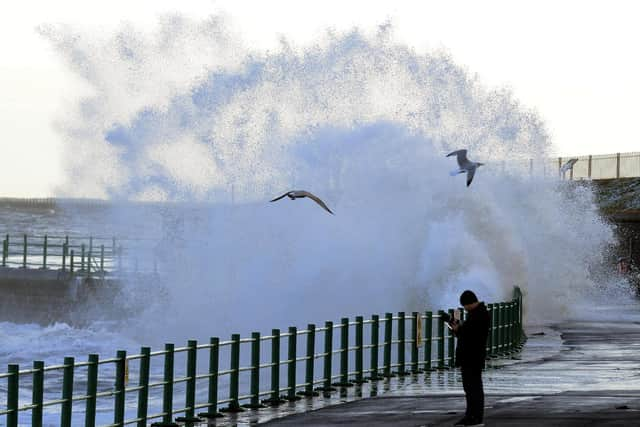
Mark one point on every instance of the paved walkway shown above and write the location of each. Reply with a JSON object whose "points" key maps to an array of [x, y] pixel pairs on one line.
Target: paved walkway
{"points": [[583, 372], [566, 409]]}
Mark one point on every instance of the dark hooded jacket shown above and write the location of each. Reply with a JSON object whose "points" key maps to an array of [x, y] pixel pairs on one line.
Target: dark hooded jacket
{"points": [[472, 336]]}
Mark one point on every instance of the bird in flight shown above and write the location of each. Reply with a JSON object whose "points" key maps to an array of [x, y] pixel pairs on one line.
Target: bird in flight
{"points": [[465, 165], [298, 194], [568, 166]]}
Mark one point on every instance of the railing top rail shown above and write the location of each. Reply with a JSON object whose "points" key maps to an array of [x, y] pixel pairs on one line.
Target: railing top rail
{"points": [[189, 377]]}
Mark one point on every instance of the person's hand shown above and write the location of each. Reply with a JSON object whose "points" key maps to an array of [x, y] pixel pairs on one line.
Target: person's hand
{"points": [[454, 325]]}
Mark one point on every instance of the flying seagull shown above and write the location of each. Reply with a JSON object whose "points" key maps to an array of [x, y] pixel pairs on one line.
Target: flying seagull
{"points": [[297, 194], [465, 165], [568, 166]]}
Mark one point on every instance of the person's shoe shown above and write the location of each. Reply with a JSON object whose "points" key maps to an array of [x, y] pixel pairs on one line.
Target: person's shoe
{"points": [[462, 422]]}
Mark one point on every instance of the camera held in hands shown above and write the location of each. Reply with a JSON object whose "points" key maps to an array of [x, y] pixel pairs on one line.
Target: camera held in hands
{"points": [[445, 317]]}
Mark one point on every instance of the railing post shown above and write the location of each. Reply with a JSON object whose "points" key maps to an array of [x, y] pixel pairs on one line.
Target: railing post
{"points": [[92, 389], [113, 254], [401, 343], [344, 354], [190, 389], [505, 327], [520, 326], [71, 262], [508, 328], [328, 356], [234, 384], [617, 165], [359, 350], [560, 167], [13, 390], [415, 342], [375, 345], [65, 250], [291, 364], [5, 251], [310, 361], [167, 393], [102, 258], [67, 392], [255, 371], [428, 340], [37, 393], [496, 329], [143, 392], [214, 360], [89, 257], [44, 252], [451, 344], [501, 322], [82, 248], [24, 252], [119, 392], [589, 167], [275, 368], [388, 337], [514, 324], [440, 340], [490, 335]]}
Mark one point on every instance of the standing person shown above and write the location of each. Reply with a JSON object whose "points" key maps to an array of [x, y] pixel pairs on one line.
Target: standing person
{"points": [[471, 353]]}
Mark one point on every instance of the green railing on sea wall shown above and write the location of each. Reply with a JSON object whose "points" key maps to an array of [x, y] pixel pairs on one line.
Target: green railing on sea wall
{"points": [[86, 256], [171, 385]]}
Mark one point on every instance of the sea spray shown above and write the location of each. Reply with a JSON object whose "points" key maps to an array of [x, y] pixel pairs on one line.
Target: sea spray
{"points": [[363, 122]]}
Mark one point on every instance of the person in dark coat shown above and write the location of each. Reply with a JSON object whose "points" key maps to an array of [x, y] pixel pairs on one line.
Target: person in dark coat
{"points": [[471, 353]]}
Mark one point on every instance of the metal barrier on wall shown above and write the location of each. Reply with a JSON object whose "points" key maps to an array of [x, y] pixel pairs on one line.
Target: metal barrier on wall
{"points": [[604, 166], [87, 256], [355, 359]]}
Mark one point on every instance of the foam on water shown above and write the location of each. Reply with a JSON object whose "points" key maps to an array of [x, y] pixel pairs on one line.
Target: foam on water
{"points": [[187, 114]]}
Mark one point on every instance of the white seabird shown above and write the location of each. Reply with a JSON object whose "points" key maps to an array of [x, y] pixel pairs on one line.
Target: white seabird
{"points": [[568, 166], [299, 194], [465, 165]]}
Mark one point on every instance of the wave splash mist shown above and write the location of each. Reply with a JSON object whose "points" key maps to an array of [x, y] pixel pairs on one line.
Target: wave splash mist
{"points": [[186, 114]]}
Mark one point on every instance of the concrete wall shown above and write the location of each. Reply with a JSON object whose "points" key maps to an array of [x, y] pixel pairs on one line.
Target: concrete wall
{"points": [[49, 296]]}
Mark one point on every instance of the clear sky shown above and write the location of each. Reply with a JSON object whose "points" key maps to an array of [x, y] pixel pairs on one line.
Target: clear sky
{"points": [[575, 62]]}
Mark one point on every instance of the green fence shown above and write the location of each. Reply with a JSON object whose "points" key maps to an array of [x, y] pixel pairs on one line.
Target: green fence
{"points": [[88, 256], [207, 380]]}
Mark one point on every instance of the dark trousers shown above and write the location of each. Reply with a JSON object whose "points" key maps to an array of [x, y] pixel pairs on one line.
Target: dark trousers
{"points": [[474, 393]]}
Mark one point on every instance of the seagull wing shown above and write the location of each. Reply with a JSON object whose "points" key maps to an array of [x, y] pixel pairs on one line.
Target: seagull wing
{"points": [[317, 200], [278, 198], [568, 165], [470, 173], [461, 156]]}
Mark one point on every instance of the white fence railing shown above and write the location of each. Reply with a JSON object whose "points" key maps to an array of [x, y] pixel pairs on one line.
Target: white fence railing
{"points": [[603, 166]]}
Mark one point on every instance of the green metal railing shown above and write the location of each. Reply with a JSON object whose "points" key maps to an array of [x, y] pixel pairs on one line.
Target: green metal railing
{"points": [[89, 256], [182, 390]]}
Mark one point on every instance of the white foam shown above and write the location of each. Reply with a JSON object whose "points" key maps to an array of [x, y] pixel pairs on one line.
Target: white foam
{"points": [[363, 122]]}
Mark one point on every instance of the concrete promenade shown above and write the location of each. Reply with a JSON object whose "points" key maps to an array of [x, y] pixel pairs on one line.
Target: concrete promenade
{"points": [[582, 372]]}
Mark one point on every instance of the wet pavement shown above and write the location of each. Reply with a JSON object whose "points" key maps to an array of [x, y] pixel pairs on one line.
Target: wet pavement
{"points": [[581, 372]]}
